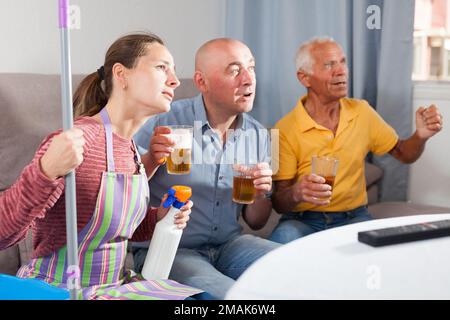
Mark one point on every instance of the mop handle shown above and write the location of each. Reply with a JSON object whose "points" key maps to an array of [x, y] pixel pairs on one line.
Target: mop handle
{"points": [[73, 271], [63, 13]]}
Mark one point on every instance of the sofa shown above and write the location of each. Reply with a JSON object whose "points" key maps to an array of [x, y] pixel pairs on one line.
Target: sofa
{"points": [[30, 105]]}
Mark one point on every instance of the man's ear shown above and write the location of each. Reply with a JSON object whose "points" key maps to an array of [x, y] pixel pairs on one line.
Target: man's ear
{"points": [[303, 78], [200, 81]]}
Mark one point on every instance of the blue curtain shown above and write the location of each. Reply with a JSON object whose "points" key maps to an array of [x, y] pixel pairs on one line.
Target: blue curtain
{"points": [[380, 58]]}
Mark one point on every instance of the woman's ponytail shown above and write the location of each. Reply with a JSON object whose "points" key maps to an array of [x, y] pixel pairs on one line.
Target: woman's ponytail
{"points": [[89, 98]]}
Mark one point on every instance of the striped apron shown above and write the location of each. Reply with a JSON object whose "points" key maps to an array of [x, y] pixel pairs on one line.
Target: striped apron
{"points": [[102, 244]]}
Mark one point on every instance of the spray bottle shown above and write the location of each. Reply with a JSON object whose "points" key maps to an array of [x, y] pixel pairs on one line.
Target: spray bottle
{"points": [[166, 237]]}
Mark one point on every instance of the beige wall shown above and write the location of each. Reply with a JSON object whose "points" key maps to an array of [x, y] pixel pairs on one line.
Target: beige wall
{"points": [[430, 175], [30, 36]]}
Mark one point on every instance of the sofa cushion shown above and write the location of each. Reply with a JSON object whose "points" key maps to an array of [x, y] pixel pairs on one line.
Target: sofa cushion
{"points": [[31, 109], [373, 174], [9, 260], [187, 89], [372, 194], [26, 248], [399, 209], [266, 230]]}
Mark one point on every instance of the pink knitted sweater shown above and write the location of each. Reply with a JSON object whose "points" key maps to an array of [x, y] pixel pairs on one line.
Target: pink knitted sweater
{"points": [[38, 203]]}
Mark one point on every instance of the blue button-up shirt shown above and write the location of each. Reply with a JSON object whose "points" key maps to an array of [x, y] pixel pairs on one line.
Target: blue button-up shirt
{"points": [[214, 217]]}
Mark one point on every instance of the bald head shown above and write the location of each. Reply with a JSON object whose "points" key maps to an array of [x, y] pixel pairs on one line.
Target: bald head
{"points": [[225, 75], [214, 51]]}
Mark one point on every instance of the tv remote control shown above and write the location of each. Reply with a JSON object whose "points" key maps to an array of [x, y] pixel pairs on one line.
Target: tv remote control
{"points": [[407, 233]]}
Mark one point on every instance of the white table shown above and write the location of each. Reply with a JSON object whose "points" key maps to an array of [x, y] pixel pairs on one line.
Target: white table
{"points": [[332, 264]]}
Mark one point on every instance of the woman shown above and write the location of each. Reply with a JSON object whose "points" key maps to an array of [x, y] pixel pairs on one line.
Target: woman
{"points": [[136, 81]]}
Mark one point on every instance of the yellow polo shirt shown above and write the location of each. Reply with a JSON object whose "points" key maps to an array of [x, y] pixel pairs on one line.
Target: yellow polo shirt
{"points": [[360, 130]]}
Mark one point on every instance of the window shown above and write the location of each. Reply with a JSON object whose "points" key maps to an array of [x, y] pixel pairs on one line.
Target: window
{"points": [[432, 40]]}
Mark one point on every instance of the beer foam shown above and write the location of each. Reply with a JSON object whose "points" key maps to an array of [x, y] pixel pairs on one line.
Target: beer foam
{"points": [[182, 138]]}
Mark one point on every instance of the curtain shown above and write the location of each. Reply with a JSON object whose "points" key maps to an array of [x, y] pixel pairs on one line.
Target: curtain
{"points": [[377, 36]]}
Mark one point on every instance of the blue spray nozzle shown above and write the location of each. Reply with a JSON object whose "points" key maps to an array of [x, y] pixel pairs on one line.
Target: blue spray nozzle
{"points": [[177, 196], [170, 198]]}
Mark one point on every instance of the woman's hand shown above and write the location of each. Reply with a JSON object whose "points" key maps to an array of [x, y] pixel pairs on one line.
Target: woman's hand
{"points": [[64, 154], [161, 145], [181, 218]]}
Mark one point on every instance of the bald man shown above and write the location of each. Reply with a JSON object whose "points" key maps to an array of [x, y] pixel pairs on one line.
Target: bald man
{"points": [[213, 253]]}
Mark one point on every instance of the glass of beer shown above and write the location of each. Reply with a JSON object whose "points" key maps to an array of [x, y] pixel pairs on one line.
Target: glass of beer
{"points": [[179, 161], [325, 167], [243, 188]]}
